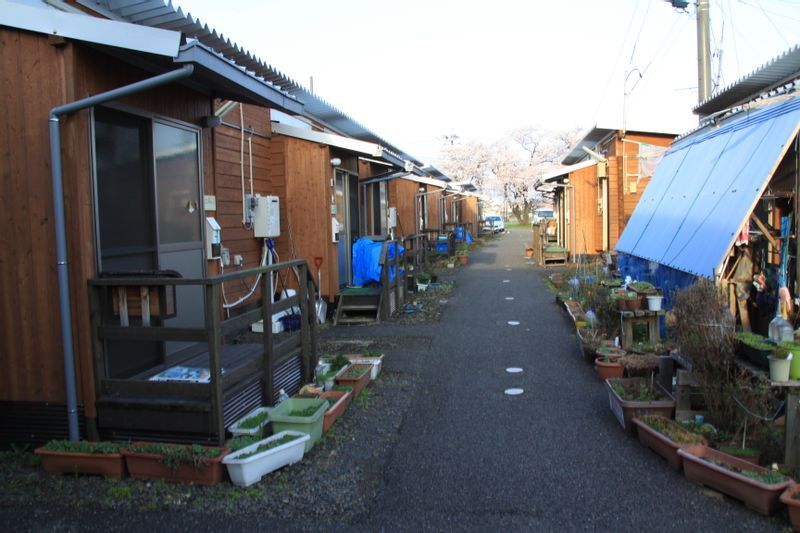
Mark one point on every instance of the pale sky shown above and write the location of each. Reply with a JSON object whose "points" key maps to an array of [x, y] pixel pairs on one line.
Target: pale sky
{"points": [[413, 71]]}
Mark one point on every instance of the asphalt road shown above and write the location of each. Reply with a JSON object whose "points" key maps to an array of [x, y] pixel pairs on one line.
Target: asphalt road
{"points": [[467, 456], [551, 459]]}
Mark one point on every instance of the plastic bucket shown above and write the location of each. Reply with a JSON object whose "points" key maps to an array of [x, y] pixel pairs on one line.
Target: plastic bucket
{"points": [[779, 369], [794, 367], [654, 302]]}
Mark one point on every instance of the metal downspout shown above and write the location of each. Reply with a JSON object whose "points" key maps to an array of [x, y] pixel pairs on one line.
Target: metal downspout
{"points": [[60, 224]]}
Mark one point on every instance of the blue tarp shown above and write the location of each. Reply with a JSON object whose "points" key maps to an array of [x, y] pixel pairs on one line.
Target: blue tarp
{"points": [[366, 261], [704, 189]]}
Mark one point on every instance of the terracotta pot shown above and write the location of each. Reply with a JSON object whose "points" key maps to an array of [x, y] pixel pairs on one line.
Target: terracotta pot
{"points": [[103, 464], [760, 497], [359, 382], [660, 443], [463, 259], [528, 252], [149, 466], [339, 400], [608, 370], [752, 459], [792, 504]]}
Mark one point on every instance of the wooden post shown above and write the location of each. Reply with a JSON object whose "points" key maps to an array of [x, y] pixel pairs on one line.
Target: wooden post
{"points": [[792, 457], [305, 339], [98, 350], [266, 337], [398, 287], [312, 330], [213, 305]]}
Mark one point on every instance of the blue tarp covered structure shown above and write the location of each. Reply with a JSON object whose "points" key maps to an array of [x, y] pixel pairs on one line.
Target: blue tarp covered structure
{"points": [[704, 190], [366, 260]]}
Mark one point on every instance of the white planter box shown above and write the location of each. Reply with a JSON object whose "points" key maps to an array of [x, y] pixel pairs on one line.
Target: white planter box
{"points": [[236, 430], [245, 472], [376, 362]]}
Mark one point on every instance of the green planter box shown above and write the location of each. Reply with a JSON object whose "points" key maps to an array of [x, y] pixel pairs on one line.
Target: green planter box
{"points": [[312, 425]]}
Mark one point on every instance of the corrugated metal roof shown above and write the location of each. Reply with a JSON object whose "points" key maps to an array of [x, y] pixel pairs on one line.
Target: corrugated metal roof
{"points": [[160, 14], [554, 175], [776, 73], [705, 188], [43, 18]]}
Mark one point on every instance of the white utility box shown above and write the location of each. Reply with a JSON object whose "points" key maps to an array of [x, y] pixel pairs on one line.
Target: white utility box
{"points": [[392, 218], [267, 219]]}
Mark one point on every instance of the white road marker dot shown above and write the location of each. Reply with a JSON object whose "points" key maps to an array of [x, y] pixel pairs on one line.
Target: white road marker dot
{"points": [[514, 370], [508, 270], [506, 281], [509, 297], [513, 322], [513, 392]]}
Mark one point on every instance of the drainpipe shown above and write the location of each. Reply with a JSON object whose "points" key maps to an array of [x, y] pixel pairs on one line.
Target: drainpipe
{"points": [[60, 224]]}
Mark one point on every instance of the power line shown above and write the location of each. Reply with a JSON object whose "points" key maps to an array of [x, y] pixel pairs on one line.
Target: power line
{"points": [[636, 42], [616, 62], [758, 2]]}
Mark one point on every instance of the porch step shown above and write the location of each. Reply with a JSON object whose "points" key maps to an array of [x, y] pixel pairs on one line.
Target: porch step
{"points": [[358, 305]]}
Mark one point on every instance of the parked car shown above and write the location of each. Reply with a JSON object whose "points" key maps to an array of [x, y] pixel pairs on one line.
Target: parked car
{"points": [[542, 215], [494, 223]]}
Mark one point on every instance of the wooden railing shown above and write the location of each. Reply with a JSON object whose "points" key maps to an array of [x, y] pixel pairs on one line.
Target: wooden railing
{"points": [[392, 290], [108, 325], [416, 246]]}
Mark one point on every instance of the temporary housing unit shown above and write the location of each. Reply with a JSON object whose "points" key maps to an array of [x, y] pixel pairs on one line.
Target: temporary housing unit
{"points": [[114, 323], [598, 189], [720, 197]]}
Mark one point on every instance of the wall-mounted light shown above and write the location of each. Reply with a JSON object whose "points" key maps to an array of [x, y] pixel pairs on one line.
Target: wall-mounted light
{"points": [[336, 161]]}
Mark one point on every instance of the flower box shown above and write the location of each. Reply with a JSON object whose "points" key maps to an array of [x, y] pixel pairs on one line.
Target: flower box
{"points": [[284, 418], [792, 504], [357, 375], [661, 443], [627, 410], [375, 361], [244, 426], [248, 465], [339, 401], [720, 475], [63, 460], [203, 464]]}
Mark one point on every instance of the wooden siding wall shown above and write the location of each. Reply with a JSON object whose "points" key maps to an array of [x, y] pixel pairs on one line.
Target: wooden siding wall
{"points": [[586, 221], [35, 77], [469, 212], [307, 172], [30, 345], [621, 198], [405, 192], [433, 207], [227, 152]]}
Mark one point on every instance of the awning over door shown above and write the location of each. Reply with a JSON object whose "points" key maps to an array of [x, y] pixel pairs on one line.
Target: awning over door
{"points": [[706, 186]]}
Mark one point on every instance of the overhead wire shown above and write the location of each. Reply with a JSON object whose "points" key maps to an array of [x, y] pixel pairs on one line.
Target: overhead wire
{"points": [[772, 22], [616, 62]]}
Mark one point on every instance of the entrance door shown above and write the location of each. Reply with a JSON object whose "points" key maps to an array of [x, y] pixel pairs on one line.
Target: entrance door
{"points": [[346, 192], [148, 218]]}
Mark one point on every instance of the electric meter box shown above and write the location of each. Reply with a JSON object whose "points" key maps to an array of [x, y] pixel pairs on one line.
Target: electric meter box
{"points": [[392, 217], [267, 219]]}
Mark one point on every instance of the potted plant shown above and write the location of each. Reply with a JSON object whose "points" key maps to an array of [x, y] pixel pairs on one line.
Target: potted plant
{"points": [[423, 279], [613, 352], [368, 358], [759, 488], [608, 367], [328, 380], [755, 348], [791, 498], [794, 349], [639, 365], [356, 375], [254, 423], [665, 437], [248, 465], [779, 364], [751, 455], [180, 463], [462, 252], [339, 400], [636, 397], [82, 457], [304, 415]]}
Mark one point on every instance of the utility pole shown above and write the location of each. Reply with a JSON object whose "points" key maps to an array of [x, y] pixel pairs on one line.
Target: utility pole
{"points": [[703, 52], [703, 47]]}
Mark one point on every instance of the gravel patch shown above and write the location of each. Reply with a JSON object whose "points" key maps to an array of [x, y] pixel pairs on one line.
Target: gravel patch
{"points": [[334, 483]]}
